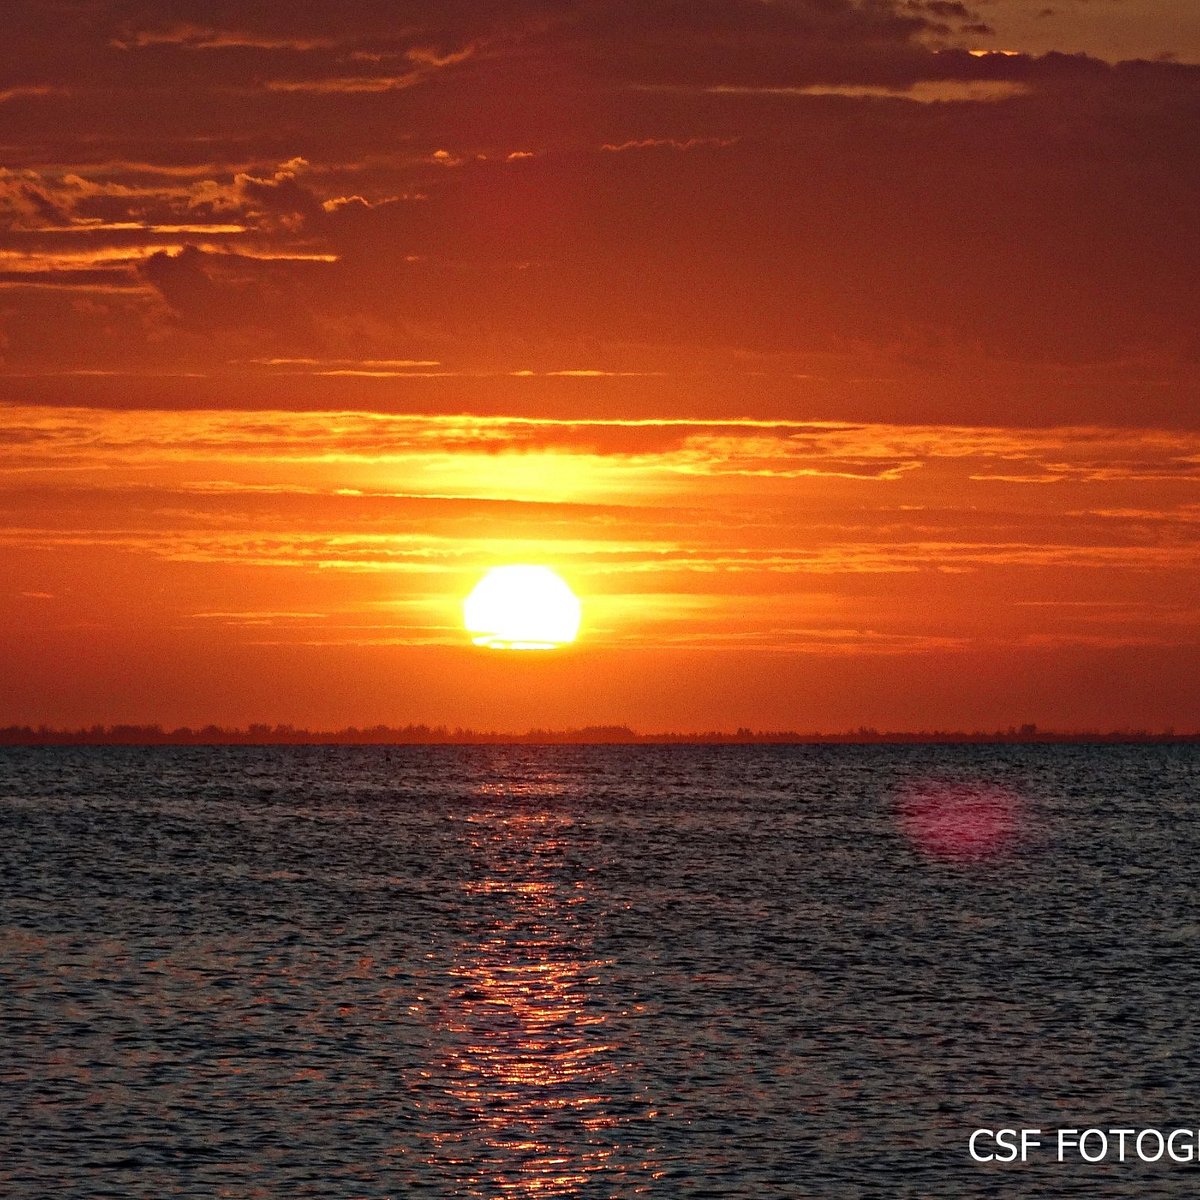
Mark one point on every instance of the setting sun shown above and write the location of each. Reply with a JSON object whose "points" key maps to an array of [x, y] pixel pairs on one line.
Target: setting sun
{"points": [[521, 608]]}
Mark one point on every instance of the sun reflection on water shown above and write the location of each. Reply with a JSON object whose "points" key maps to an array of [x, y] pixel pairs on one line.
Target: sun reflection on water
{"points": [[526, 1065]]}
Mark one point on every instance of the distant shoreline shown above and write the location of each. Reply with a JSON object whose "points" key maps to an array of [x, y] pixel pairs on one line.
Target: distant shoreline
{"points": [[601, 735]]}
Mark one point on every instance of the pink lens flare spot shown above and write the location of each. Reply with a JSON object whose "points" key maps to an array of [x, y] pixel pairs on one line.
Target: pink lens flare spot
{"points": [[960, 822]]}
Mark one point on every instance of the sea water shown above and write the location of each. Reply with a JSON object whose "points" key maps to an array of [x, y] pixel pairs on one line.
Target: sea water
{"points": [[595, 971]]}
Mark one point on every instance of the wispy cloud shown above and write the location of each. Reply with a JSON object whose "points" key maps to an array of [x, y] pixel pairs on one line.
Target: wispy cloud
{"points": [[349, 85], [204, 37], [692, 143], [423, 61], [365, 363], [33, 91], [922, 91]]}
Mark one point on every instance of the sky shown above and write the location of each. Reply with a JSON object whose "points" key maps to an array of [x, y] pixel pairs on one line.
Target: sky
{"points": [[841, 355]]}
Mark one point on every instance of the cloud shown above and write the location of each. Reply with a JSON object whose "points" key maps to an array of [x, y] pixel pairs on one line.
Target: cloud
{"points": [[349, 85], [424, 62], [795, 195], [26, 202], [202, 37], [32, 91], [187, 286], [791, 43], [680, 447], [365, 363], [922, 91], [693, 143], [279, 198]]}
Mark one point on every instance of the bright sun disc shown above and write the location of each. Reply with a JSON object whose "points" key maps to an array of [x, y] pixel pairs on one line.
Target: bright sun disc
{"points": [[521, 608]]}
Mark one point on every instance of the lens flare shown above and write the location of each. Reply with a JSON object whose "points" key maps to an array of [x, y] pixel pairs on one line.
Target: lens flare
{"points": [[960, 822]]}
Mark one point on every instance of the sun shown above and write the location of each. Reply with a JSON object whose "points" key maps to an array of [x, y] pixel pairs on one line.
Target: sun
{"points": [[522, 608]]}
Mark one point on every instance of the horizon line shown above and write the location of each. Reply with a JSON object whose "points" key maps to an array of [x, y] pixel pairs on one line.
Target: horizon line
{"points": [[255, 734]]}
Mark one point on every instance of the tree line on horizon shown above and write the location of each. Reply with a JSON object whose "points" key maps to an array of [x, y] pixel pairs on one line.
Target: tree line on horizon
{"points": [[387, 735]]}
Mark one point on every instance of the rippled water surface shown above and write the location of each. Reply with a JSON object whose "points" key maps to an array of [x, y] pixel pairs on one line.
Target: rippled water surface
{"points": [[592, 971]]}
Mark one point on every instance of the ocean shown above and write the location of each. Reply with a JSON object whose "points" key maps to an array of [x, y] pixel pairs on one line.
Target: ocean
{"points": [[662, 971]]}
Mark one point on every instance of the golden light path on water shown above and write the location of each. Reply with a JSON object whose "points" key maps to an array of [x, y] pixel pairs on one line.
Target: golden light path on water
{"points": [[525, 1053]]}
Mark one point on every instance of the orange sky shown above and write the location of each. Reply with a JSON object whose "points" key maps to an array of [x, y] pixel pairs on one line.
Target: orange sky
{"points": [[848, 376]]}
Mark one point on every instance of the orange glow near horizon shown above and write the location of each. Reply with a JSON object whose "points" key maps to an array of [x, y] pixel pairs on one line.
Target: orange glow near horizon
{"points": [[781, 574]]}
